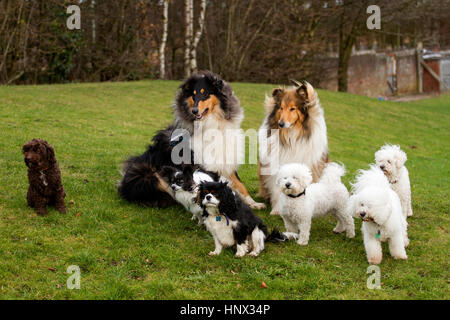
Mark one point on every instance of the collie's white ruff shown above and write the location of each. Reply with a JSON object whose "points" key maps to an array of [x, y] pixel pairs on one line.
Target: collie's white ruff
{"points": [[218, 144]]}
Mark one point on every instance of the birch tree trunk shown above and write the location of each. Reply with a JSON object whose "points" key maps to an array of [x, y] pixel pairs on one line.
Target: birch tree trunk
{"points": [[198, 35], [188, 4], [162, 49]]}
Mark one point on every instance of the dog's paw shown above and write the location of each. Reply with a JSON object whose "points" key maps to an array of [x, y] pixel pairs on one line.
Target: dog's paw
{"points": [[253, 204], [257, 206], [290, 235], [274, 213], [351, 234], [41, 211], [62, 209], [374, 259], [239, 255], [253, 254], [400, 257], [214, 253], [303, 242]]}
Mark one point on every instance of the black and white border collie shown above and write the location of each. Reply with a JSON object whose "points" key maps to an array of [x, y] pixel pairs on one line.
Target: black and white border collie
{"points": [[231, 222]]}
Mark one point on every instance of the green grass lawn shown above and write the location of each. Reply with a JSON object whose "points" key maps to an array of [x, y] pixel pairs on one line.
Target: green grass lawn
{"points": [[128, 252]]}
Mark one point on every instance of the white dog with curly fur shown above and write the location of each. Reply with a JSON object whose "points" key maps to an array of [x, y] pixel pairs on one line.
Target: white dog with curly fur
{"points": [[301, 200], [391, 160], [379, 207]]}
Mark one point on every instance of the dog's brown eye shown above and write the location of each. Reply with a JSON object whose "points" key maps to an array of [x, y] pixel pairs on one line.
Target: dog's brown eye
{"points": [[292, 109]]}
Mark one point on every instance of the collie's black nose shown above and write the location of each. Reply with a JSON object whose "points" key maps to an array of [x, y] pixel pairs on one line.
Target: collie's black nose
{"points": [[382, 167], [281, 124], [208, 197], [362, 214], [288, 185], [195, 111]]}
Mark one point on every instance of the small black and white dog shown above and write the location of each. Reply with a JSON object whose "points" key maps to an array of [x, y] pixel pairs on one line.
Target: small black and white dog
{"points": [[184, 183], [231, 222]]}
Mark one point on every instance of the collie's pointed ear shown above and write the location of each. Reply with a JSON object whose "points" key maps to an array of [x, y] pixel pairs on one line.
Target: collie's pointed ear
{"points": [[277, 93], [302, 89], [306, 91], [217, 83]]}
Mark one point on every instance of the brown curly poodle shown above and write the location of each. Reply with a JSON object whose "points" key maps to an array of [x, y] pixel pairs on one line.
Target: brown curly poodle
{"points": [[44, 177]]}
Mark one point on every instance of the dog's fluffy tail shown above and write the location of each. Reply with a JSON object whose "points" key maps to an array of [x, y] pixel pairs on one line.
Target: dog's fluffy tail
{"points": [[276, 236], [373, 177], [142, 184], [332, 173]]}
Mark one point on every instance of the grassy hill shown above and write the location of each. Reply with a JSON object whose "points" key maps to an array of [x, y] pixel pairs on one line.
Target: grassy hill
{"points": [[128, 252]]}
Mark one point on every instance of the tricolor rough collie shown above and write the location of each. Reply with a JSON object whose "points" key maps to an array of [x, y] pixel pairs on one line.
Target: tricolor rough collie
{"points": [[293, 131], [207, 108]]}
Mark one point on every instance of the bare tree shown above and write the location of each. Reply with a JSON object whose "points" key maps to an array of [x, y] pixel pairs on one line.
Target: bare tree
{"points": [[162, 49], [188, 25], [351, 20], [198, 35], [191, 41]]}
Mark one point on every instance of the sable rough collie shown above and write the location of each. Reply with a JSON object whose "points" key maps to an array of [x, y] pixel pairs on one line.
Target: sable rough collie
{"points": [[208, 109], [294, 131]]}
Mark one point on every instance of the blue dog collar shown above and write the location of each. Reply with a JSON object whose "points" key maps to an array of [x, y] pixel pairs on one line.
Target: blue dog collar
{"points": [[219, 218]]}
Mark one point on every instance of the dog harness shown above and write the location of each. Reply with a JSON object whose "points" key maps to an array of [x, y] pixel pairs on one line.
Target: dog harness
{"points": [[298, 195]]}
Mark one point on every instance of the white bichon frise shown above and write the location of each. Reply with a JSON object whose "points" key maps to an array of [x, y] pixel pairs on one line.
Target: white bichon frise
{"points": [[301, 200], [379, 207], [391, 160]]}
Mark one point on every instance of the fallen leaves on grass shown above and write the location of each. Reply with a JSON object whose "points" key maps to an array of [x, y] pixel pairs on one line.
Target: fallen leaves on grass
{"points": [[263, 285]]}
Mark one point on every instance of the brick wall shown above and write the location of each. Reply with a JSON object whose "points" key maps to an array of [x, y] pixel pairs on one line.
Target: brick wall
{"points": [[367, 74], [406, 73]]}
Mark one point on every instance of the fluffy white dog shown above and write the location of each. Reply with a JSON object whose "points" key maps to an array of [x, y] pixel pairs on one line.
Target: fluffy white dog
{"points": [[379, 207], [391, 160], [301, 200]]}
